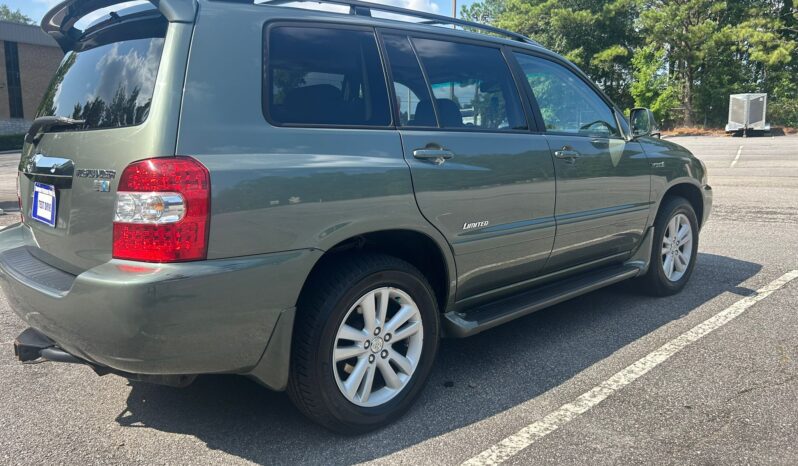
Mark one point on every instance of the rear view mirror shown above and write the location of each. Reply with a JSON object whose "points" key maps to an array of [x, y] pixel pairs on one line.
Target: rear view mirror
{"points": [[489, 86], [643, 123]]}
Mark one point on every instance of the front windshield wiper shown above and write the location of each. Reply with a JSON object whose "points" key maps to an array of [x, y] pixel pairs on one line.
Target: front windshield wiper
{"points": [[43, 124]]}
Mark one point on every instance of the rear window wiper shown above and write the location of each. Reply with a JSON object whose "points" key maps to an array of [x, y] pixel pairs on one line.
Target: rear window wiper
{"points": [[43, 124]]}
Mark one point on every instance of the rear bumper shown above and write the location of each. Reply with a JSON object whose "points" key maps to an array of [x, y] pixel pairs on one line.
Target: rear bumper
{"points": [[31, 345], [734, 127], [188, 318]]}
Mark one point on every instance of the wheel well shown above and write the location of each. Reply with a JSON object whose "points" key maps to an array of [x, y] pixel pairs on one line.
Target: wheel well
{"points": [[415, 248], [693, 196]]}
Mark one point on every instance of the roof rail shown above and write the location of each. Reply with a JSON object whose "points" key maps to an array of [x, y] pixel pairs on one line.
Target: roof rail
{"points": [[361, 8]]}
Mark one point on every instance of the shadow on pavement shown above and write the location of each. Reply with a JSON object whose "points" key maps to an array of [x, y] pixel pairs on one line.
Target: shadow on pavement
{"points": [[474, 378]]}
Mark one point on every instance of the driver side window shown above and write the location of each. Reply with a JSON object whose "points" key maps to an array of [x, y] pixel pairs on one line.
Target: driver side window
{"points": [[567, 104]]}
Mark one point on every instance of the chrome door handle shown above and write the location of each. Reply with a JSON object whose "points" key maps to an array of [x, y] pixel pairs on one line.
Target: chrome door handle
{"points": [[569, 155], [437, 156]]}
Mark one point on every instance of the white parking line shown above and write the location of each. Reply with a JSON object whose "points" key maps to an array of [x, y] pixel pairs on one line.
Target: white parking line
{"points": [[739, 151], [525, 437]]}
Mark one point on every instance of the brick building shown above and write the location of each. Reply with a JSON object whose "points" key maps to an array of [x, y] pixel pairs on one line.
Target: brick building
{"points": [[28, 61]]}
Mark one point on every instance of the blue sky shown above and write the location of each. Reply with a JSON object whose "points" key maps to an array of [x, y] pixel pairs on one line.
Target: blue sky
{"points": [[37, 8]]}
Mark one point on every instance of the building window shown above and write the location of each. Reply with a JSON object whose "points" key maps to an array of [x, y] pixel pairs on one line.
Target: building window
{"points": [[14, 82]]}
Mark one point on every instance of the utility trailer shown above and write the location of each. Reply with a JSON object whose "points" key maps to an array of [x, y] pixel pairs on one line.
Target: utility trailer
{"points": [[747, 113]]}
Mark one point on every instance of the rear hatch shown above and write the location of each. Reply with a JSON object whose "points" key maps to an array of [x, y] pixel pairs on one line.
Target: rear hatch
{"points": [[114, 100]]}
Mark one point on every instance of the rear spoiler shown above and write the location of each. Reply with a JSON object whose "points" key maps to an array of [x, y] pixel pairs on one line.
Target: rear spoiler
{"points": [[60, 21]]}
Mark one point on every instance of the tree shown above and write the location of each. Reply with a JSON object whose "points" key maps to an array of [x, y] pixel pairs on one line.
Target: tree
{"points": [[652, 86], [681, 58], [685, 28], [597, 35], [16, 16], [486, 12]]}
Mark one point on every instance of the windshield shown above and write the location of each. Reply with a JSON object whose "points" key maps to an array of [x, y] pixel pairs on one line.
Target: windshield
{"points": [[108, 80]]}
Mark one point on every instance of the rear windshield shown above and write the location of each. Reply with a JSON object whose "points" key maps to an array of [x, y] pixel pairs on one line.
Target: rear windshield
{"points": [[108, 79]]}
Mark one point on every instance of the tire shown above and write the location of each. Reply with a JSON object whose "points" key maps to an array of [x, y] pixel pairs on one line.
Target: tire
{"points": [[336, 295], [656, 281]]}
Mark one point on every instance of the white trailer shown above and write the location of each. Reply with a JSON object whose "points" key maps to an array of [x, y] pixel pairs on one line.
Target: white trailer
{"points": [[747, 113]]}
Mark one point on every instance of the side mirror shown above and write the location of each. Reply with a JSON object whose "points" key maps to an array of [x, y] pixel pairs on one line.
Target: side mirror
{"points": [[643, 123]]}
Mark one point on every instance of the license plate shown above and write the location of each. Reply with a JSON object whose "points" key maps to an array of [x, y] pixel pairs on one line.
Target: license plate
{"points": [[44, 203]]}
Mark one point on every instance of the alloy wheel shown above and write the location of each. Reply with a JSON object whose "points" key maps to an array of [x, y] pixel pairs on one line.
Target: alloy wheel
{"points": [[378, 347], [677, 247]]}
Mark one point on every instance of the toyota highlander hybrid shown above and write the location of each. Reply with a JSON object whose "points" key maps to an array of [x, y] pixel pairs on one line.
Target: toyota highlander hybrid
{"points": [[314, 198]]}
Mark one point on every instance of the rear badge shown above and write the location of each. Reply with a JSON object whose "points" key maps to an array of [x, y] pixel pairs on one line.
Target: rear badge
{"points": [[96, 174], [102, 186]]}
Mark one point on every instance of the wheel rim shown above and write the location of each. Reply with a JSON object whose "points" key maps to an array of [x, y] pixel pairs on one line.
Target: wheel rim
{"points": [[677, 247], [378, 347]]}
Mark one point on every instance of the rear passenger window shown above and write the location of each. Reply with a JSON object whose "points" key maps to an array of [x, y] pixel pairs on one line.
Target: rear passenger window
{"points": [[324, 76], [408, 83], [472, 85]]}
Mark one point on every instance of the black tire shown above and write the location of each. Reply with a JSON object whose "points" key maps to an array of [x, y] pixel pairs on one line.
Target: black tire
{"points": [[655, 282], [322, 307]]}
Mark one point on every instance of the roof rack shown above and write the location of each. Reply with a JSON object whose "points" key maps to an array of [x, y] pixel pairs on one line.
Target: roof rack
{"points": [[361, 8]]}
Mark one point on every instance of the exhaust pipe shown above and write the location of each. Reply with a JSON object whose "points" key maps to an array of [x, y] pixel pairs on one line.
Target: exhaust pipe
{"points": [[32, 344]]}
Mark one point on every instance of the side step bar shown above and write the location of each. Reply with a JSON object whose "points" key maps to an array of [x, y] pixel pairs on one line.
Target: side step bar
{"points": [[471, 322]]}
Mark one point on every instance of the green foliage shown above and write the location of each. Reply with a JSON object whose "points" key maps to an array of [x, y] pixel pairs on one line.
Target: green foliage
{"points": [[597, 35], [681, 58], [485, 12], [15, 16], [652, 87], [11, 141], [785, 111]]}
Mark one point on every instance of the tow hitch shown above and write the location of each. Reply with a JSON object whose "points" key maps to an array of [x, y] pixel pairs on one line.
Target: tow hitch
{"points": [[31, 345]]}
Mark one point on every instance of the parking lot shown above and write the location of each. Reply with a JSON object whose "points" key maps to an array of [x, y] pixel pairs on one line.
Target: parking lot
{"points": [[587, 380]]}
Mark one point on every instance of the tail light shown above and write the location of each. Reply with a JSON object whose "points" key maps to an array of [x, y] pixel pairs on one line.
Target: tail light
{"points": [[162, 211]]}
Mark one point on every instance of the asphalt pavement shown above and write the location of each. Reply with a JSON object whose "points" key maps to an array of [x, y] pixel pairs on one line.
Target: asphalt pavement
{"points": [[728, 397]]}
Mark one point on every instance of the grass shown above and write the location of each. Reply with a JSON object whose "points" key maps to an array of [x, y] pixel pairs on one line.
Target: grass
{"points": [[11, 141], [694, 131], [697, 131]]}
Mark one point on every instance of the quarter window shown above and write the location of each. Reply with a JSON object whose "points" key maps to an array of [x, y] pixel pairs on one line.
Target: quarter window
{"points": [[472, 86], [567, 104], [325, 76]]}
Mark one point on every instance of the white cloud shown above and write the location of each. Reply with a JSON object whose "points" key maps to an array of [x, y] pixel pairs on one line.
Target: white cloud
{"points": [[133, 69]]}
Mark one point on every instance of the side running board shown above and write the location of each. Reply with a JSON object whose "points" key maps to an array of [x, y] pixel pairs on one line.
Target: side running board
{"points": [[479, 319]]}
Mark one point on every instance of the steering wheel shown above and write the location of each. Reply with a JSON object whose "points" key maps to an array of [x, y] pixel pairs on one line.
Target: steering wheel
{"points": [[589, 126]]}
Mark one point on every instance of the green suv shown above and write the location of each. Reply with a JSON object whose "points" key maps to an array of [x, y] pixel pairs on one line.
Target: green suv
{"points": [[314, 198]]}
